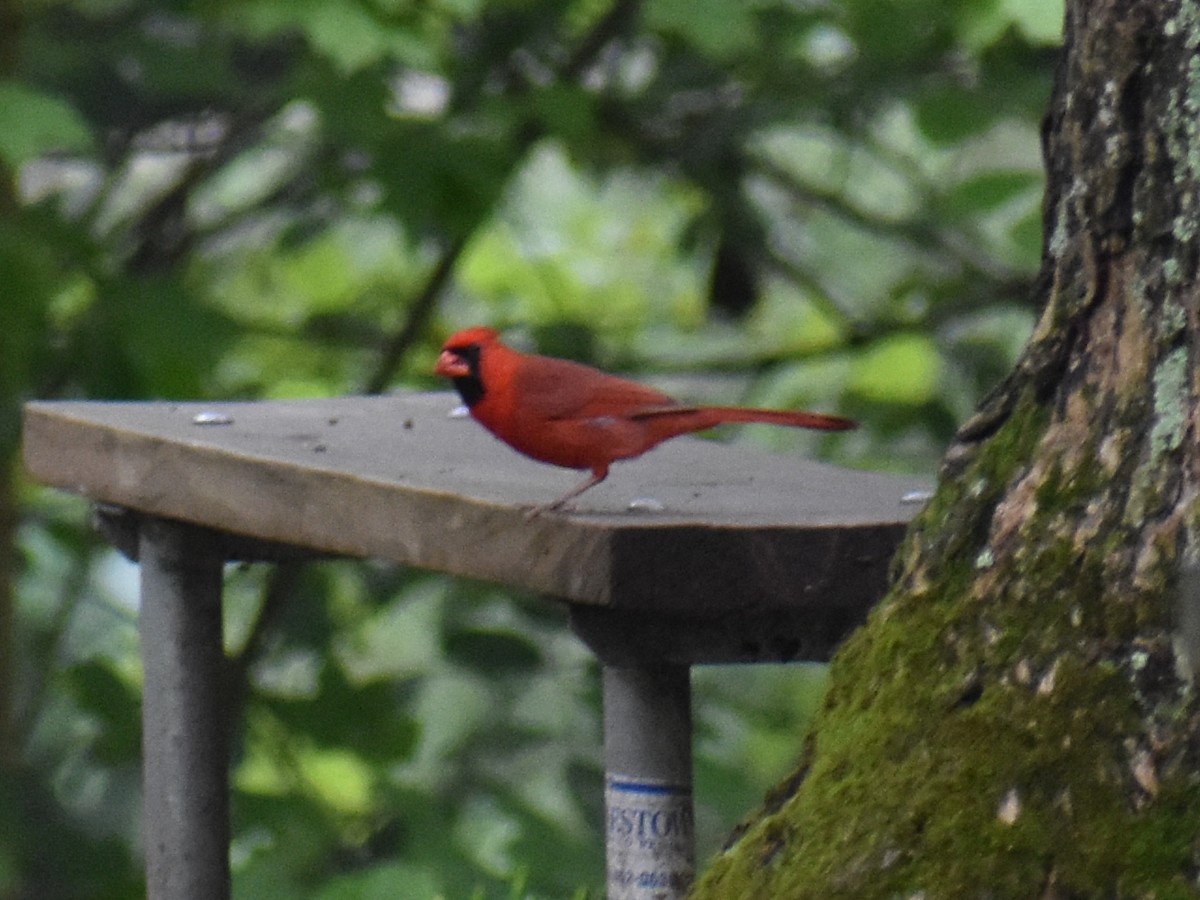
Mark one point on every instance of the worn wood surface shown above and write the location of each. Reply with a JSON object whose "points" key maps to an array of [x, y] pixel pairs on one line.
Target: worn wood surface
{"points": [[397, 478]]}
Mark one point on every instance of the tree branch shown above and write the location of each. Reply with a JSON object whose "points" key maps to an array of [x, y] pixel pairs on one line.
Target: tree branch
{"points": [[414, 323]]}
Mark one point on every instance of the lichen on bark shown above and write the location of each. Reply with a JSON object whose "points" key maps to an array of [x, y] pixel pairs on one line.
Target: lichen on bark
{"points": [[1018, 717]]}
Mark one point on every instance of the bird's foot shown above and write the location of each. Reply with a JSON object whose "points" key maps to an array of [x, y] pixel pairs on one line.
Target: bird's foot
{"points": [[536, 512]]}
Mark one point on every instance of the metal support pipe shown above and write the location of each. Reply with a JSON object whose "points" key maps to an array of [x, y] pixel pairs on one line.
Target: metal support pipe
{"points": [[184, 746], [648, 781]]}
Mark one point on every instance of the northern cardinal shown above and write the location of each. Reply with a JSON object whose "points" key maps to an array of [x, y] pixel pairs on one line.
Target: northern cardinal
{"points": [[574, 416]]}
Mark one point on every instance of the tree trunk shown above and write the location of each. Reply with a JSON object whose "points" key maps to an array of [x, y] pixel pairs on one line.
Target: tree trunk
{"points": [[1018, 719]]}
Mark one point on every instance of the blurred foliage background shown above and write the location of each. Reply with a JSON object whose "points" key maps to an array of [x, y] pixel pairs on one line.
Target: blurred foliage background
{"points": [[815, 204]]}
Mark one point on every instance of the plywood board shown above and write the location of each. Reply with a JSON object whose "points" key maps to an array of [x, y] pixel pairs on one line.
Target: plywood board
{"points": [[398, 478]]}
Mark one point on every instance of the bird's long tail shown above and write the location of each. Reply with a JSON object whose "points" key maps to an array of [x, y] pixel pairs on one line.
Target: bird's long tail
{"points": [[684, 419], [820, 421]]}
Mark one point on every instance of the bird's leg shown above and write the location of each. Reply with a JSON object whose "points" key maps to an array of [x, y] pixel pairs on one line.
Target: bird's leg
{"points": [[597, 476]]}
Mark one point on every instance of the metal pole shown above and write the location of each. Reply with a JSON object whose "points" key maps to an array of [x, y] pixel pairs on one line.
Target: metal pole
{"points": [[648, 781], [184, 747]]}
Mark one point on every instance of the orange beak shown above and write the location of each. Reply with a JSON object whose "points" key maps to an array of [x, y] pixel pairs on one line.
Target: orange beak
{"points": [[451, 365]]}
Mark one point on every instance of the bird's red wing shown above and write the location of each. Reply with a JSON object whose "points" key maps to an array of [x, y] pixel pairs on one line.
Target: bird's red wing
{"points": [[561, 389], [565, 413]]}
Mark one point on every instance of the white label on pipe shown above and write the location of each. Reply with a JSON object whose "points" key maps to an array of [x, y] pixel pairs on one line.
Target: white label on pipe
{"points": [[650, 839]]}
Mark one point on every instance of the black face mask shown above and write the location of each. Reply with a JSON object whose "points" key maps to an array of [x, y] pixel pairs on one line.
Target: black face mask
{"points": [[469, 387]]}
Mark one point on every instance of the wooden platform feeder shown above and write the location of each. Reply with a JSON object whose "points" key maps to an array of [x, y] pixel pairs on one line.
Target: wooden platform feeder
{"points": [[696, 553]]}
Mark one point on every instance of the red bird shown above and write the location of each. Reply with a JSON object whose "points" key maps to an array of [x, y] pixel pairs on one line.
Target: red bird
{"points": [[574, 416]]}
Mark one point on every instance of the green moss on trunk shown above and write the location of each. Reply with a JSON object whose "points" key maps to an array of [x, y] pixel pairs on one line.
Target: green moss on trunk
{"points": [[978, 729]]}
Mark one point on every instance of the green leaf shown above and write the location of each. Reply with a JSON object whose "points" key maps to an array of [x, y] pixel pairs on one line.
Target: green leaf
{"points": [[152, 336], [347, 34], [440, 178], [987, 191], [903, 368], [376, 729], [948, 113], [285, 840], [718, 29], [899, 33], [342, 31], [1040, 22], [568, 112], [341, 778], [493, 651], [102, 693], [34, 122], [392, 881]]}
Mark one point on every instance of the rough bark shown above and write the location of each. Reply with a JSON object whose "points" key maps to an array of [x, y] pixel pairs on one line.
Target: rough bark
{"points": [[1018, 718]]}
